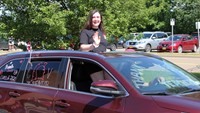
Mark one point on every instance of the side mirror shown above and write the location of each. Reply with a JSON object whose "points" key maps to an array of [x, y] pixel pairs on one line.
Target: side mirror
{"points": [[106, 87], [183, 39]]}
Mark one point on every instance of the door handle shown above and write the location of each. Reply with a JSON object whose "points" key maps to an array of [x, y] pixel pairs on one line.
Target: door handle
{"points": [[61, 103], [14, 94]]}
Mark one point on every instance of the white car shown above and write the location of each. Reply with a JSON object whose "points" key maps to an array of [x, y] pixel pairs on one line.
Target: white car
{"points": [[148, 42]]}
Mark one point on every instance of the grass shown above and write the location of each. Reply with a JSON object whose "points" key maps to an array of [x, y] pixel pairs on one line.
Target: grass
{"points": [[197, 75], [150, 75]]}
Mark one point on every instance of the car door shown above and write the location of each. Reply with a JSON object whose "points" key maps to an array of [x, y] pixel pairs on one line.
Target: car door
{"points": [[190, 43], [76, 97], [184, 43], [160, 38], [11, 74], [34, 90], [154, 41]]}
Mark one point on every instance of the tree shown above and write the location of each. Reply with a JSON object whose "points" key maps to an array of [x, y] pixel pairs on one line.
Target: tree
{"points": [[186, 13], [35, 20]]}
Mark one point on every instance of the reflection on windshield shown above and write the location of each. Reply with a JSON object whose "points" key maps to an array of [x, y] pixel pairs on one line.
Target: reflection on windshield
{"points": [[175, 38], [150, 75], [146, 36]]}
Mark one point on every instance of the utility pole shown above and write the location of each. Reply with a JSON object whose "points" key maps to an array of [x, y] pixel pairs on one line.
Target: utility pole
{"points": [[172, 23], [198, 27]]}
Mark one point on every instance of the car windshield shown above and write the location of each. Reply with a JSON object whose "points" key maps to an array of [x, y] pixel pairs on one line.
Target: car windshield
{"points": [[150, 75], [146, 35], [194, 34], [175, 38]]}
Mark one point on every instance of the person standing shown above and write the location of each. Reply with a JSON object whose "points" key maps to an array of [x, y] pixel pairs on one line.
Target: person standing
{"points": [[93, 36], [93, 39], [10, 43]]}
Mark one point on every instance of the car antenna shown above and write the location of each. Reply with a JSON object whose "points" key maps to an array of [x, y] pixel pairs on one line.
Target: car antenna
{"points": [[29, 49]]}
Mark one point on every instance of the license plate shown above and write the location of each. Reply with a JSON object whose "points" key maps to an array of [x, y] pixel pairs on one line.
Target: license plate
{"points": [[164, 48], [130, 46]]}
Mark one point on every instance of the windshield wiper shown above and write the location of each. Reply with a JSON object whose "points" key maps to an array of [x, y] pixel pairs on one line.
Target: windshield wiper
{"points": [[156, 93], [190, 90]]}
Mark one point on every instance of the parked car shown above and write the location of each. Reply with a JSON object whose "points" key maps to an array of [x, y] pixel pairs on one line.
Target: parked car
{"points": [[116, 42], [148, 42], [181, 42], [3, 44], [60, 81]]}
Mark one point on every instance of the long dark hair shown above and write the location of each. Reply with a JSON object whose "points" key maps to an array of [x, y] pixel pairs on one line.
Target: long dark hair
{"points": [[88, 24]]}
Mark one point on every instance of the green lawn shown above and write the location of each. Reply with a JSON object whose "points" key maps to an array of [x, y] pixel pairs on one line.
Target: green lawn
{"points": [[149, 75], [197, 75]]}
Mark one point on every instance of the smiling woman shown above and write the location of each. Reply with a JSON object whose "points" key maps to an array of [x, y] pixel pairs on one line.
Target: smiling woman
{"points": [[92, 36]]}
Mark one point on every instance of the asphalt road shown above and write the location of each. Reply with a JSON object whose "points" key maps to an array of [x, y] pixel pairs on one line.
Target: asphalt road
{"points": [[188, 61]]}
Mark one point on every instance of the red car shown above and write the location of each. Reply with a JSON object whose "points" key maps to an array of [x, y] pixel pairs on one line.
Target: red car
{"points": [[63, 81], [181, 42]]}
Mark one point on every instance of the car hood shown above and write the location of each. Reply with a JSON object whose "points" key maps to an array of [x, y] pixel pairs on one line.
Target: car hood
{"points": [[133, 40], [187, 102], [145, 40], [168, 42]]}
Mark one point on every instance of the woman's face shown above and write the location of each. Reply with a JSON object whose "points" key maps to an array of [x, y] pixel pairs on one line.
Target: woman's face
{"points": [[96, 20]]}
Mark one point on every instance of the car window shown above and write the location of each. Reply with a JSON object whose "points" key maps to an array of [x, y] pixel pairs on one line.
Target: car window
{"points": [[153, 75], [43, 72], [194, 34], [11, 70], [175, 38], [161, 35], [154, 36], [189, 38], [84, 72], [185, 38]]}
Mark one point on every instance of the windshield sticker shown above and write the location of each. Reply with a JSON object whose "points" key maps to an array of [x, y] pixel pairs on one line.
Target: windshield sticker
{"points": [[179, 83], [8, 78], [9, 66], [39, 71], [40, 74], [39, 82]]}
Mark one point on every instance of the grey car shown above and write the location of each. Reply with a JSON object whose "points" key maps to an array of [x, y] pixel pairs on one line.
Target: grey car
{"points": [[148, 42], [3, 44]]}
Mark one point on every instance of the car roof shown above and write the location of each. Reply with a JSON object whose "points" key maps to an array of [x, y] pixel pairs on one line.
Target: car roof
{"points": [[72, 53], [153, 32], [182, 34]]}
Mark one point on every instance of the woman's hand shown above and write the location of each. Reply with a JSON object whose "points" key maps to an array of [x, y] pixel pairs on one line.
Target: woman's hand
{"points": [[96, 39]]}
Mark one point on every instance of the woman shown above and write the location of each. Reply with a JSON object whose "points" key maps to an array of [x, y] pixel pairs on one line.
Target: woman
{"points": [[92, 36]]}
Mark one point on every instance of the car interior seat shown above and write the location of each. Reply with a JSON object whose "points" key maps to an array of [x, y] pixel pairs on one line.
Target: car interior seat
{"points": [[80, 77]]}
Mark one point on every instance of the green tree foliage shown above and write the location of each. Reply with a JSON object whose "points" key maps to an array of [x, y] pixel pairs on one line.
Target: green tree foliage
{"points": [[186, 13], [35, 20]]}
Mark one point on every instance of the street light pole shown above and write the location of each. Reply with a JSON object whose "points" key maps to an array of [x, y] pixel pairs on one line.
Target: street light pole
{"points": [[198, 27], [172, 23]]}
